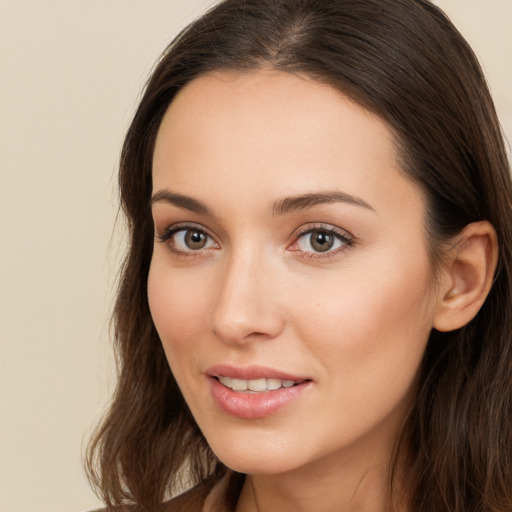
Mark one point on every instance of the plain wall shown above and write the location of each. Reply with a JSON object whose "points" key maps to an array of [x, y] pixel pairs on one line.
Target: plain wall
{"points": [[70, 75]]}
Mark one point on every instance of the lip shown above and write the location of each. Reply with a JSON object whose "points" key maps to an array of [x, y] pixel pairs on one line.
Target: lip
{"points": [[251, 372], [253, 406]]}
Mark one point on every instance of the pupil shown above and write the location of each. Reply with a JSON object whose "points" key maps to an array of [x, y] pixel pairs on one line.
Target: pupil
{"points": [[322, 241], [195, 239]]}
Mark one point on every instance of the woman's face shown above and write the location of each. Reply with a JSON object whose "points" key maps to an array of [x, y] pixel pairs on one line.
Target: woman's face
{"points": [[290, 258]]}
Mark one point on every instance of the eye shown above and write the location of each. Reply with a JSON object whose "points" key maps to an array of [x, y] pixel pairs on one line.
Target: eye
{"points": [[321, 240], [187, 239], [192, 239]]}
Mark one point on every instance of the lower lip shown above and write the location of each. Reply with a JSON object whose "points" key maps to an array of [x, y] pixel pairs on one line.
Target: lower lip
{"points": [[252, 406]]}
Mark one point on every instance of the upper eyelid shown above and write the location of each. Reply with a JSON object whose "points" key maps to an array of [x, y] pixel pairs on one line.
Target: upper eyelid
{"points": [[326, 227], [297, 233], [180, 226], [171, 230]]}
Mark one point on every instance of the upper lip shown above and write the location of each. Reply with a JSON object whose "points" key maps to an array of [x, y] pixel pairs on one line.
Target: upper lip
{"points": [[252, 372]]}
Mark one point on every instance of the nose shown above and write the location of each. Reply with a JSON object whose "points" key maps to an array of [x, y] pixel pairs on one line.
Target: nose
{"points": [[247, 306]]}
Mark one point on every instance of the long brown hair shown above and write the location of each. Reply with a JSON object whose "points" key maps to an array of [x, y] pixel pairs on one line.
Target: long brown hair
{"points": [[406, 62]]}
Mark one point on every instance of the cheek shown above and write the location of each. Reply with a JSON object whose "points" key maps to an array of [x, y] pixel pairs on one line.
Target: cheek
{"points": [[177, 308], [371, 324], [367, 339]]}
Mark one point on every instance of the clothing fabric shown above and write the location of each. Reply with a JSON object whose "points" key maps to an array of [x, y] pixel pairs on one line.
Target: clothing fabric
{"points": [[202, 498]]}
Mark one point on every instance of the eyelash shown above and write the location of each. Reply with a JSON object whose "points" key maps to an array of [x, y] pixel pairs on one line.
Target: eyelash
{"points": [[169, 233], [345, 238]]}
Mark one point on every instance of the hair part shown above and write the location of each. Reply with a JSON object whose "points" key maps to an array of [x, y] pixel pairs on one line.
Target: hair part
{"points": [[404, 61]]}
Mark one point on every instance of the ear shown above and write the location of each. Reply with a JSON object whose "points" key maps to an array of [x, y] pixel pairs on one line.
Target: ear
{"points": [[467, 277]]}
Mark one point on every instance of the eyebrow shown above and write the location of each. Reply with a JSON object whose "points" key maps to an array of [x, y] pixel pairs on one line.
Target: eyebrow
{"points": [[305, 201], [279, 207], [181, 201]]}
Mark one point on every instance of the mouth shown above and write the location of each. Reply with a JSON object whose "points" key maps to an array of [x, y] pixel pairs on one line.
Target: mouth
{"points": [[257, 385], [255, 392]]}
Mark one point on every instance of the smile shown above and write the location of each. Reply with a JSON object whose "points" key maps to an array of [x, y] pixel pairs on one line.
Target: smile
{"points": [[255, 392], [256, 385]]}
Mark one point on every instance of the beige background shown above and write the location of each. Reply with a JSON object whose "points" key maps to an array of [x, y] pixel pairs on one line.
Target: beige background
{"points": [[70, 75]]}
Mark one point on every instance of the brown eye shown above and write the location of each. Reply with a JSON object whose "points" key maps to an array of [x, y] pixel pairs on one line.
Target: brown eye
{"points": [[195, 240], [187, 240], [322, 241]]}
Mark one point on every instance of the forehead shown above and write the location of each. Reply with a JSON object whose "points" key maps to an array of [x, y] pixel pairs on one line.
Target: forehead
{"points": [[278, 107], [273, 132]]}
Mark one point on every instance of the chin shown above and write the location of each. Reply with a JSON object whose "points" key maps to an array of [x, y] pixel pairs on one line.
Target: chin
{"points": [[258, 465], [253, 457]]}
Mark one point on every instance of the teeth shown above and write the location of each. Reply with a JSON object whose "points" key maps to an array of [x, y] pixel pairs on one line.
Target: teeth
{"points": [[255, 385], [238, 385], [273, 384]]}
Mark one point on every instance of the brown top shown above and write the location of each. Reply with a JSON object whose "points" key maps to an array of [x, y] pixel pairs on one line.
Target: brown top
{"points": [[220, 498]]}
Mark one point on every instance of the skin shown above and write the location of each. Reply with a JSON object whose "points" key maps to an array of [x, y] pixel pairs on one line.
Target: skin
{"points": [[355, 320]]}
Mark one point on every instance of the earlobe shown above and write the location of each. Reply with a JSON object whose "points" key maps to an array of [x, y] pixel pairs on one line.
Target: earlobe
{"points": [[468, 276]]}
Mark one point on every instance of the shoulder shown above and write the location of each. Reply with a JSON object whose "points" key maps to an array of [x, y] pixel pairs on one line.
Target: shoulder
{"points": [[190, 501], [212, 495]]}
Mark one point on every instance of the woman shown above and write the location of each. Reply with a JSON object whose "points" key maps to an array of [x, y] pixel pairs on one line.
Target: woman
{"points": [[315, 311]]}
